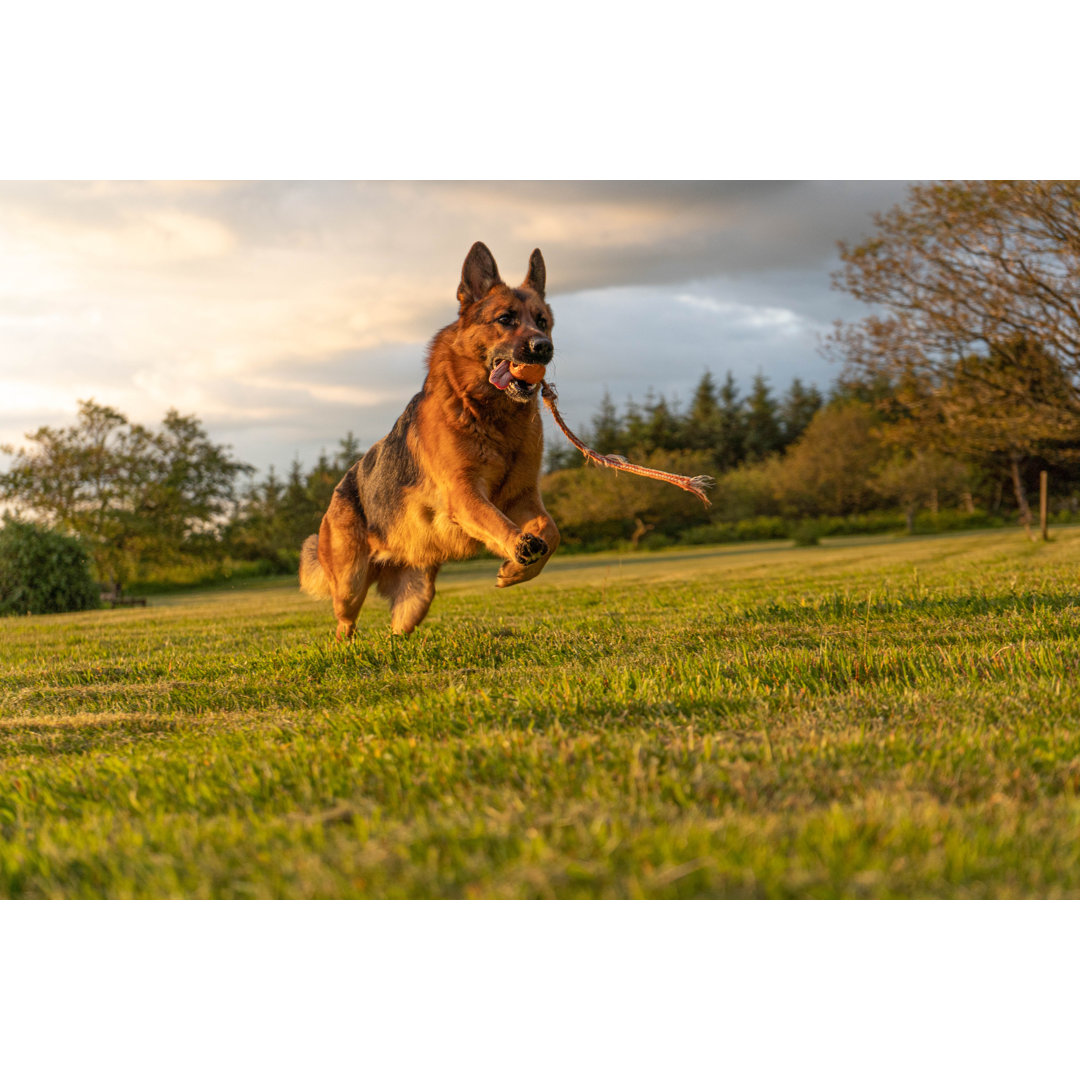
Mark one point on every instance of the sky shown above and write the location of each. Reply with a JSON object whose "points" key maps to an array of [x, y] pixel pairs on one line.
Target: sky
{"points": [[284, 315]]}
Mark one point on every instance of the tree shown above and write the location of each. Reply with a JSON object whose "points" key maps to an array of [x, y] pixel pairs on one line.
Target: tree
{"points": [[829, 470], [919, 478], [963, 266], [998, 412], [762, 427], [1013, 404], [796, 411], [701, 427], [635, 431], [730, 448], [662, 430], [706, 425], [319, 489], [598, 504], [132, 495], [607, 435], [190, 481], [977, 327], [349, 452]]}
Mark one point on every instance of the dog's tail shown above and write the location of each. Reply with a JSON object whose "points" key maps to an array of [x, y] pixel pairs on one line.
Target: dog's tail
{"points": [[313, 578]]}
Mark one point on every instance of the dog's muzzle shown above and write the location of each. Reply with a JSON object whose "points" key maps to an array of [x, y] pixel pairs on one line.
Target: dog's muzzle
{"points": [[520, 378]]}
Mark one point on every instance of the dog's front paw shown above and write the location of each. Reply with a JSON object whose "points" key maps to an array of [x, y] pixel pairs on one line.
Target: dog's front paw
{"points": [[530, 548]]}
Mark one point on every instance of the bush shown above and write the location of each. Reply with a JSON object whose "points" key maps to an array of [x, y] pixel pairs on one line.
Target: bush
{"points": [[806, 534], [729, 532], [42, 572], [954, 520]]}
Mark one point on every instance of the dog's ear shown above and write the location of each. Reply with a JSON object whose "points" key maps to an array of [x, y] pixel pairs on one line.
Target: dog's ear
{"points": [[536, 278], [478, 275]]}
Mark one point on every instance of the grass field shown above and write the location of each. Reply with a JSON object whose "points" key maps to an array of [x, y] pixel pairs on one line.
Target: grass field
{"points": [[887, 718]]}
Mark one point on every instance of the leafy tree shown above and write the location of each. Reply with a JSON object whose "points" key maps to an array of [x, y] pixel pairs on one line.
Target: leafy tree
{"points": [[191, 481], [995, 411], [962, 266], [748, 490], [132, 495], [559, 454], [829, 470], [319, 488], [593, 503], [1015, 403], [275, 518], [919, 478], [271, 495], [300, 508], [976, 321]]}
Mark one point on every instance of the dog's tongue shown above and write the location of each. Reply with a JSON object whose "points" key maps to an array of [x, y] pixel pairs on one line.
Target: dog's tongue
{"points": [[500, 376]]}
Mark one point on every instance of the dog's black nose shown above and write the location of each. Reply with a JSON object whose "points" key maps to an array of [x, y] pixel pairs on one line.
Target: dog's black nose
{"points": [[540, 349]]}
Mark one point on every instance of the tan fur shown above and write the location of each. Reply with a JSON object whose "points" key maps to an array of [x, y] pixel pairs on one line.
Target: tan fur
{"points": [[313, 578]]}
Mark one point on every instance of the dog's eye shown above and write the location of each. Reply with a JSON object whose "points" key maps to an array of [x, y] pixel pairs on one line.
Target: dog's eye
{"points": [[541, 322], [505, 319]]}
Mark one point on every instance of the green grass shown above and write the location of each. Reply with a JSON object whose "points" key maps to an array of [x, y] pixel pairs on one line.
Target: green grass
{"points": [[885, 718]]}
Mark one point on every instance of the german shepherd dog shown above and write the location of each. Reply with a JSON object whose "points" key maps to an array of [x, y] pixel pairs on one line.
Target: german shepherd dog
{"points": [[461, 467]]}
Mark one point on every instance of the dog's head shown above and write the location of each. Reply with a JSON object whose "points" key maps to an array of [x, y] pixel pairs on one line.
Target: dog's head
{"points": [[505, 329]]}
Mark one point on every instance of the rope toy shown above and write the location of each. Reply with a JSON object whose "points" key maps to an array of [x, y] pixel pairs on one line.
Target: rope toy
{"points": [[696, 485]]}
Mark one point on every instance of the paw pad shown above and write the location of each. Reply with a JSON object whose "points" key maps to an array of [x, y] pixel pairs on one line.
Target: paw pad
{"points": [[529, 549]]}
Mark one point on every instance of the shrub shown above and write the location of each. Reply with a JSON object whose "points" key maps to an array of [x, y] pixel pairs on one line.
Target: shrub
{"points": [[806, 534], [42, 571], [953, 520], [728, 532]]}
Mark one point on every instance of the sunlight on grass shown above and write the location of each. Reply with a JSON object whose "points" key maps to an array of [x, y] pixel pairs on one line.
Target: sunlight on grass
{"points": [[857, 719]]}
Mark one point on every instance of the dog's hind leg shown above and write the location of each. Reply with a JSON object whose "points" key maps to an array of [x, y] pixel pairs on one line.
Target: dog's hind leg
{"points": [[410, 591], [344, 556], [349, 601]]}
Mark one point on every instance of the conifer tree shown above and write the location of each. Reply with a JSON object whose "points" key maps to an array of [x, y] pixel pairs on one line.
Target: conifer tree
{"points": [[607, 434], [702, 426], [797, 409], [763, 436]]}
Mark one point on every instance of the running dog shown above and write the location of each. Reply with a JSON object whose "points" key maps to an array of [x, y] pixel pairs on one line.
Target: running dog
{"points": [[461, 467]]}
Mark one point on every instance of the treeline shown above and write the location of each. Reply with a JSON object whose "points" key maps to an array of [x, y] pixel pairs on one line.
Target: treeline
{"points": [[171, 506], [958, 388], [799, 464], [719, 421]]}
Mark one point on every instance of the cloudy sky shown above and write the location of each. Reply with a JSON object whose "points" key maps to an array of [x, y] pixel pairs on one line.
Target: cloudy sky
{"points": [[286, 314]]}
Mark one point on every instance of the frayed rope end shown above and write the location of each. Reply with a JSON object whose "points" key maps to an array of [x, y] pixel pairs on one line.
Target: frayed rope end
{"points": [[696, 485]]}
